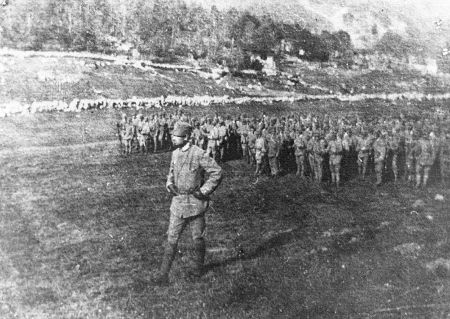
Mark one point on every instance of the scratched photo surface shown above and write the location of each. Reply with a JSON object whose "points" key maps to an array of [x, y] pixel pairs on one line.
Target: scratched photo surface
{"points": [[224, 159]]}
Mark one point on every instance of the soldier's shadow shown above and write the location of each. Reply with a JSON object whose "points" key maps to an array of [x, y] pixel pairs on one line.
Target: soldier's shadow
{"points": [[242, 254]]}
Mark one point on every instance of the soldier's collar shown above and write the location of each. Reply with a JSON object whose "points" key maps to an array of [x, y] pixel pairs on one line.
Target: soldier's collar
{"points": [[186, 147]]}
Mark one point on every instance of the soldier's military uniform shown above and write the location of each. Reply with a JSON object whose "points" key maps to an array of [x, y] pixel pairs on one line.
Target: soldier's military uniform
{"points": [[251, 146], [260, 152], [128, 136], [144, 135], [393, 144], [425, 160], [193, 176], [444, 158], [243, 131], [300, 153], [273, 151], [223, 140], [363, 148], [121, 129], [319, 152], [379, 148], [335, 149], [310, 151]]}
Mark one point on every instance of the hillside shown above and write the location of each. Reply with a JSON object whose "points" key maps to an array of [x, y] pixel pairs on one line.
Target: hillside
{"points": [[365, 21]]}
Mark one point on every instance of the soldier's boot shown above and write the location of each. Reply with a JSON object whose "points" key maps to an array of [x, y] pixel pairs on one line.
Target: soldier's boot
{"points": [[418, 178], [199, 259], [378, 183], [338, 180], [162, 279], [333, 178], [364, 172], [395, 176], [425, 180]]}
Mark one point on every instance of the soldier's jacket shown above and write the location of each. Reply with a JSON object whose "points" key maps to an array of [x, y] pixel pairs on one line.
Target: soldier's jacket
{"points": [[273, 146], [196, 134], [363, 145], [223, 132], [145, 129], [192, 169], [335, 149], [346, 142], [251, 140], [310, 146], [427, 153], [393, 143], [129, 131], [260, 144], [300, 145], [444, 153], [319, 149], [379, 147]]}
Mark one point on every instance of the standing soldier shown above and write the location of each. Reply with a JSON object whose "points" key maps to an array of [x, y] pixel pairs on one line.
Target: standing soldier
{"points": [[193, 177], [213, 137], [424, 160], [144, 135], [251, 145], [363, 147], [260, 152], [243, 131], [394, 150], [139, 136], [412, 152], [136, 123], [154, 132], [273, 151], [310, 150], [128, 136], [223, 140], [197, 135], [320, 151], [335, 151], [121, 128], [444, 157], [379, 148], [300, 152]]}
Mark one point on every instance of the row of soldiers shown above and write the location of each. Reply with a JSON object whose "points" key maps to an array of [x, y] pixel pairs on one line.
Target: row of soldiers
{"points": [[323, 148]]}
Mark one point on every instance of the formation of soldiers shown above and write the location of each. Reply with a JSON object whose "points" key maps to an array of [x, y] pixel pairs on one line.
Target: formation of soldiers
{"points": [[323, 148], [173, 101]]}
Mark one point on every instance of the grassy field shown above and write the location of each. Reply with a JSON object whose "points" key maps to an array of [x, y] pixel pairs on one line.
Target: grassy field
{"points": [[82, 228]]}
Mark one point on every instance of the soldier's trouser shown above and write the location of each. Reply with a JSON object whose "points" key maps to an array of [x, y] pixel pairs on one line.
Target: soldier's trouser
{"points": [[426, 172], [311, 165], [444, 170], [155, 141], [395, 165], [212, 148], [363, 159], [409, 171], [274, 165], [379, 167], [300, 161], [318, 170], [251, 152], [245, 153], [177, 224], [335, 169]]}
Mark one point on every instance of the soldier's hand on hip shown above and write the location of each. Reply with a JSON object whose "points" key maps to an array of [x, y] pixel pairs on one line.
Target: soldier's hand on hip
{"points": [[173, 190], [199, 195]]}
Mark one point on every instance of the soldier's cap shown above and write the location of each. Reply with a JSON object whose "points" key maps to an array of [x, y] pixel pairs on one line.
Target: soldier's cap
{"points": [[182, 130]]}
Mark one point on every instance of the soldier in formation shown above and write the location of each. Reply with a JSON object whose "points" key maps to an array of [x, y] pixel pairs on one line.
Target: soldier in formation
{"points": [[329, 148]]}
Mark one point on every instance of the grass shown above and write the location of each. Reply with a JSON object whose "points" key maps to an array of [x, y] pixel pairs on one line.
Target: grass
{"points": [[82, 229]]}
